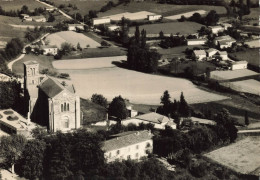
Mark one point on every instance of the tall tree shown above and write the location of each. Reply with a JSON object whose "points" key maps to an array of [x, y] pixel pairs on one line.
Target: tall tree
{"points": [[184, 109], [99, 99], [11, 148], [117, 108], [143, 39], [137, 35], [212, 18], [32, 159], [166, 98]]}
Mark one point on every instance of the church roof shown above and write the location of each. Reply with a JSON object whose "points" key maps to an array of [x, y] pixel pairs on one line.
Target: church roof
{"points": [[52, 87]]}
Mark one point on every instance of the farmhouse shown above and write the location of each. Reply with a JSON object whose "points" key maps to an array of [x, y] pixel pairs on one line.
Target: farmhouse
{"points": [[113, 28], [49, 50], [238, 65], [210, 52], [98, 21], [5, 78], [154, 17], [51, 104], [128, 145], [221, 54], [199, 55], [159, 121], [216, 29], [74, 27], [191, 42], [224, 41], [226, 25], [38, 18], [11, 122]]}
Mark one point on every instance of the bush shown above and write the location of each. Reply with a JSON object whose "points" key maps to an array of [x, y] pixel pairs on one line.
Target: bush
{"points": [[58, 56], [198, 168], [64, 75]]}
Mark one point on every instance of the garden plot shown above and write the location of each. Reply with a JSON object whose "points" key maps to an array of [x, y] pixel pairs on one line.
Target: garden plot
{"points": [[187, 15], [132, 16], [242, 156], [71, 37], [139, 88], [228, 75], [249, 86]]}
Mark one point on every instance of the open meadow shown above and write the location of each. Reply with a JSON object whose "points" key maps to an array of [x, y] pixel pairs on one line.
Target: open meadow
{"points": [[229, 75], [162, 9], [167, 28], [18, 4], [187, 14], [131, 16], [72, 38], [242, 156], [249, 86]]}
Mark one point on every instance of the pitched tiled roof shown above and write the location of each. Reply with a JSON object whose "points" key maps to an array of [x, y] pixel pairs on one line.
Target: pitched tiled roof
{"points": [[127, 140], [30, 62], [153, 118], [199, 52]]}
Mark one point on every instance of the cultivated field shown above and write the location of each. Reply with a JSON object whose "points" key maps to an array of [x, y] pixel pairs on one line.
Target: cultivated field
{"points": [[252, 56], [163, 9], [88, 63], [168, 28], [71, 37], [249, 86], [187, 15], [132, 16], [228, 75], [17, 4], [139, 88], [242, 156]]}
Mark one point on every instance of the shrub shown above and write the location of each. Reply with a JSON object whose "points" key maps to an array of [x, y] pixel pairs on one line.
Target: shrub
{"points": [[64, 75], [198, 168]]}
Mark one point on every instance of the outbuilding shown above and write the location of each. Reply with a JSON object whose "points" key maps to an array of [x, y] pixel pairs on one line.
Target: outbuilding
{"points": [[238, 65]]}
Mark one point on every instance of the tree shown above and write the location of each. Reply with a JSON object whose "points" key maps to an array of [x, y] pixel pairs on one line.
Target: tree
{"points": [[143, 39], [161, 35], [212, 18], [246, 118], [99, 99], [124, 30], [24, 10], [92, 14], [32, 159], [184, 108], [104, 44], [137, 35], [117, 108], [28, 49], [66, 48], [51, 18], [11, 148], [79, 47]]}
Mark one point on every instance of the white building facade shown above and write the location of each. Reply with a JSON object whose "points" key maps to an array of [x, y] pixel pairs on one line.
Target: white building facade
{"points": [[98, 21]]}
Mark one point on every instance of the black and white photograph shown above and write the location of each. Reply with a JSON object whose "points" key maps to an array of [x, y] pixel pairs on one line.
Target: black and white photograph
{"points": [[129, 90]]}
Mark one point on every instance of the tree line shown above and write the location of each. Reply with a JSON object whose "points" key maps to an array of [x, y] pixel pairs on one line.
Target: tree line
{"points": [[24, 10]]}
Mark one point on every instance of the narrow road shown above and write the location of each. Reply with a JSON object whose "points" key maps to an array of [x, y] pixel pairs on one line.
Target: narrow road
{"points": [[249, 131]]}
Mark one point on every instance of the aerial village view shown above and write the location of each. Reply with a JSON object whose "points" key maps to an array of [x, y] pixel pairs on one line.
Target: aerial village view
{"points": [[129, 89]]}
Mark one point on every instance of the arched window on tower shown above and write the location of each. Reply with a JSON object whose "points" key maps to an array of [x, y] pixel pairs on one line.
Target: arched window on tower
{"points": [[61, 107], [68, 107]]}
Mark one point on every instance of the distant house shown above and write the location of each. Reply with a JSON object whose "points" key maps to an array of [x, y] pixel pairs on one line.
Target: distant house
{"points": [[224, 41], [154, 17], [216, 29], [39, 19], [5, 78], [222, 54], [98, 21], [199, 54], [210, 52], [159, 121], [51, 9], [200, 121], [226, 25], [49, 49], [191, 42], [113, 27], [238, 65], [11, 122], [74, 27], [131, 111], [128, 145]]}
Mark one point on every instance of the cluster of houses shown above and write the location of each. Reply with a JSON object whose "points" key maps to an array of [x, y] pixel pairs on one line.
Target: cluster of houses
{"points": [[26, 17]]}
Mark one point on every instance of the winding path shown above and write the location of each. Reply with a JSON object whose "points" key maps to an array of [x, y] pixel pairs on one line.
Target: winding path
{"points": [[10, 64]]}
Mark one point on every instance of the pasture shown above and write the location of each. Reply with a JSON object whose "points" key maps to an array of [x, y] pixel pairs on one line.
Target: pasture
{"points": [[229, 75], [187, 15], [132, 16], [139, 88], [249, 86], [72, 38], [242, 156], [18, 4], [250, 55], [167, 28], [162, 9]]}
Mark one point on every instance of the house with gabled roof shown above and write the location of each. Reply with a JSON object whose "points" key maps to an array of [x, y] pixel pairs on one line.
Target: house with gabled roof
{"points": [[224, 41], [128, 145], [51, 103], [199, 54]]}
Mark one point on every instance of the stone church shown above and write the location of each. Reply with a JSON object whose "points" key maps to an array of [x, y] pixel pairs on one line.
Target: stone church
{"points": [[51, 103]]}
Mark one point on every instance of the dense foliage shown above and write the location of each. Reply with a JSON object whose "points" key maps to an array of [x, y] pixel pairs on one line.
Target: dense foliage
{"points": [[99, 99], [117, 108]]}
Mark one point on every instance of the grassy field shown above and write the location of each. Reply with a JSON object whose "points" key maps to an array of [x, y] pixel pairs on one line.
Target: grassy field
{"points": [[17, 4], [236, 105], [163, 9], [44, 61], [168, 28], [229, 75], [18, 21], [242, 156], [96, 52], [187, 15], [249, 86], [252, 56], [253, 17], [71, 37]]}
